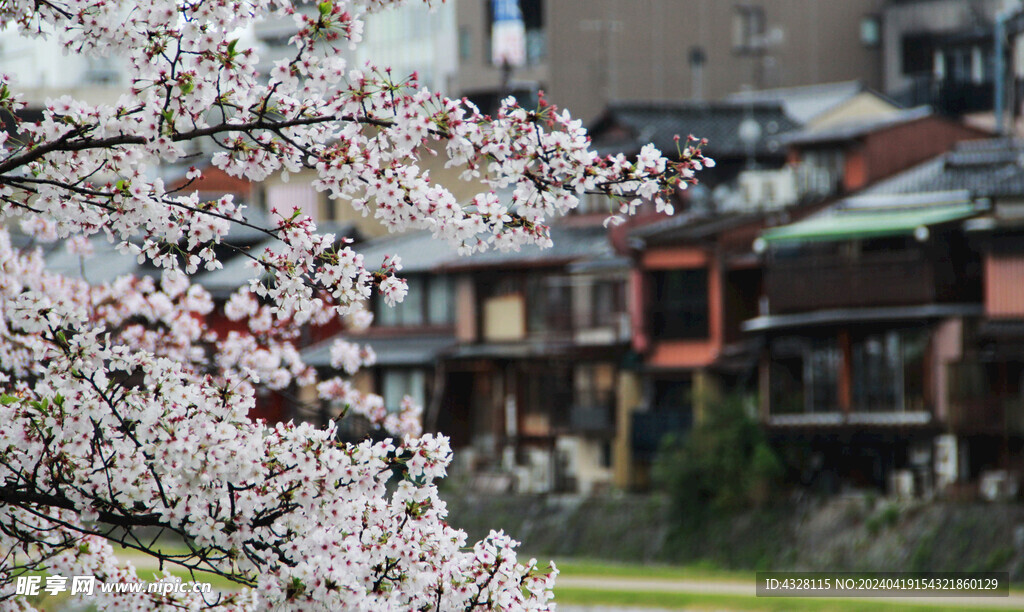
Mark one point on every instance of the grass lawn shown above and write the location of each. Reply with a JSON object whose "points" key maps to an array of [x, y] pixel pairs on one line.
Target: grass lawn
{"points": [[594, 569]]}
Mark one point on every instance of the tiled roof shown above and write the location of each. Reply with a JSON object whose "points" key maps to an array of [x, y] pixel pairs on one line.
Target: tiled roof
{"points": [[235, 272], [719, 122], [690, 227], [238, 269], [402, 350], [856, 128], [419, 251], [571, 244], [104, 266], [107, 263], [802, 103], [984, 168]]}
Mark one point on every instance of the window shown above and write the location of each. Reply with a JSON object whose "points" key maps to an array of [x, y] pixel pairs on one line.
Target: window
{"points": [[804, 375], [607, 302], [680, 307], [870, 31], [429, 302], [547, 396], [398, 383], [888, 371], [408, 312], [786, 376], [594, 385], [440, 301], [748, 28], [958, 65], [918, 51], [101, 71], [465, 43], [821, 371], [549, 304]]}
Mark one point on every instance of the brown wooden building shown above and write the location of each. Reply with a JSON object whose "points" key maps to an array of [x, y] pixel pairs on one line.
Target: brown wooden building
{"points": [[893, 335]]}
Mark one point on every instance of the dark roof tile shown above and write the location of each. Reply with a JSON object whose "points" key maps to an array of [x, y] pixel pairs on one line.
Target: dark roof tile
{"points": [[718, 122]]}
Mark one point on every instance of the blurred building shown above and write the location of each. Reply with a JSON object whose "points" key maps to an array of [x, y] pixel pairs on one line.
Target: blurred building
{"points": [[740, 134], [892, 338], [40, 69], [411, 38], [515, 356], [941, 52], [698, 283], [587, 53], [852, 154]]}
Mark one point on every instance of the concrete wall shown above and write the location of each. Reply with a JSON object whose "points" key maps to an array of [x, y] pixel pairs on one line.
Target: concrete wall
{"points": [[601, 50]]}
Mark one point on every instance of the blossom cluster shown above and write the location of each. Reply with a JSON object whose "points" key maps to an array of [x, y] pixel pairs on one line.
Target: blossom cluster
{"points": [[121, 411], [110, 420]]}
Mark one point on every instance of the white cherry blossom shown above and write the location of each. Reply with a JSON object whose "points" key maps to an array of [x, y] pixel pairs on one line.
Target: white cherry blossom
{"points": [[122, 412]]}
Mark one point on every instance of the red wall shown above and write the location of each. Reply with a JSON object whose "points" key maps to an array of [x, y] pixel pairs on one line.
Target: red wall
{"points": [[901, 146]]}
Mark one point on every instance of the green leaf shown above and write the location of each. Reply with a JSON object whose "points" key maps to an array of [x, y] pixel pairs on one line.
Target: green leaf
{"points": [[7, 400], [325, 8]]}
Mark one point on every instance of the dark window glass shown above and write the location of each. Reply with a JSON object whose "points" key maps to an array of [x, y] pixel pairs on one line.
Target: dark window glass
{"points": [[918, 53], [804, 375], [888, 371], [673, 395], [680, 308], [549, 300], [821, 370], [876, 373]]}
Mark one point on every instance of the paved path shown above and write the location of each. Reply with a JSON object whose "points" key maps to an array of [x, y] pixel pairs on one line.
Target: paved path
{"points": [[747, 589]]}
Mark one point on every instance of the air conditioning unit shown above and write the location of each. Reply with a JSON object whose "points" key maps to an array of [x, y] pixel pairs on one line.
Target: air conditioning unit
{"points": [[998, 485], [767, 189]]}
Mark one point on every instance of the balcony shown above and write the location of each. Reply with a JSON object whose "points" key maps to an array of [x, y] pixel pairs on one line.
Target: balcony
{"points": [[870, 279], [949, 97]]}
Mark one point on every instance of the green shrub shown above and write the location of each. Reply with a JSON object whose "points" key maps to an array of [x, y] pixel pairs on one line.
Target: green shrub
{"points": [[723, 463]]}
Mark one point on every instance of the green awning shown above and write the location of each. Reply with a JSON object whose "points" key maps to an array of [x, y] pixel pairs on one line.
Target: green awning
{"points": [[857, 224]]}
